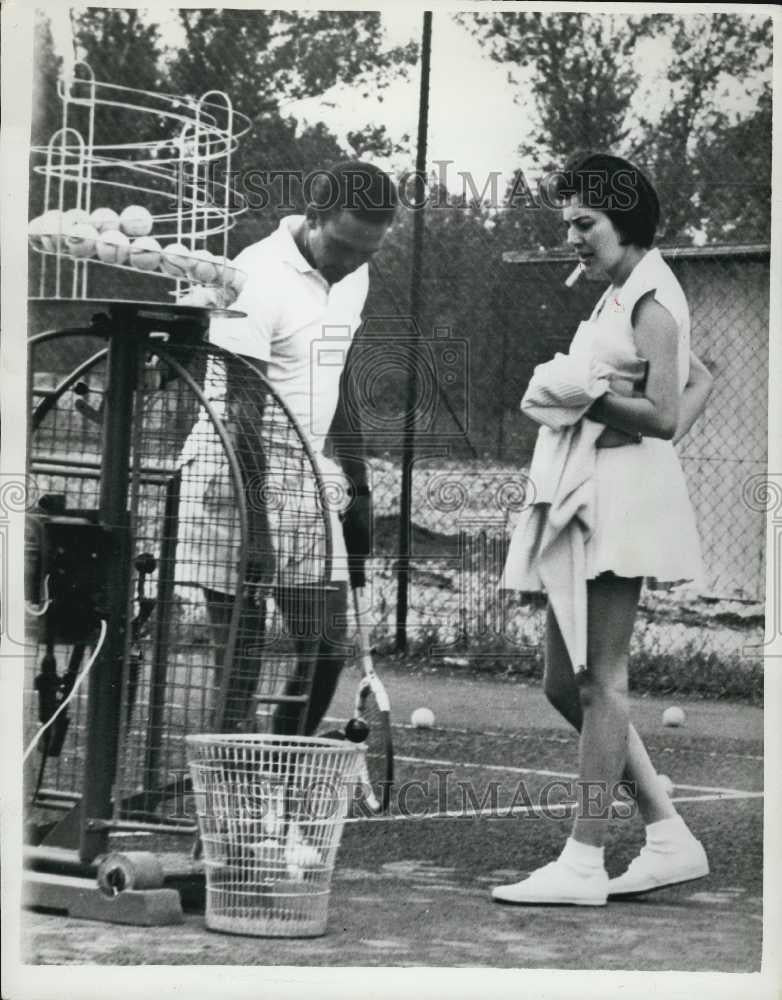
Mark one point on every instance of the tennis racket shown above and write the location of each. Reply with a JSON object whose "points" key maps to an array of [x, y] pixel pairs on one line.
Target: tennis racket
{"points": [[373, 708]]}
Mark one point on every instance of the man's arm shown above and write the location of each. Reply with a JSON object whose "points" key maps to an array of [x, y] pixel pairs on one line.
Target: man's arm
{"points": [[347, 441], [245, 400]]}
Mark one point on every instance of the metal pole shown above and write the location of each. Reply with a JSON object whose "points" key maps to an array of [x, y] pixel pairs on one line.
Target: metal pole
{"points": [[103, 705], [408, 447]]}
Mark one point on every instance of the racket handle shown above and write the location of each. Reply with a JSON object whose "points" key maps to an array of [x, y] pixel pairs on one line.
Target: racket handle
{"points": [[361, 609]]}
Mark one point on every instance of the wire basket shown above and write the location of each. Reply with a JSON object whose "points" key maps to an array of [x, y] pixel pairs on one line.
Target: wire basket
{"points": [[271, 810]]}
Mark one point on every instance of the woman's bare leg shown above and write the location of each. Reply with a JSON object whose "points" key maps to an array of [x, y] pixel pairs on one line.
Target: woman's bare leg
{"points": [[562, 690]]}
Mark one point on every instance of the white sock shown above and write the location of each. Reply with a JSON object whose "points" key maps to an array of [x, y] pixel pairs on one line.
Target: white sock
{"points": [[666, 830], [581, 856]]}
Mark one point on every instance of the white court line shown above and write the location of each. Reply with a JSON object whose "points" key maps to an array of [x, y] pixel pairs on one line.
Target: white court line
{"points": [[719, 792], [554, 811]]}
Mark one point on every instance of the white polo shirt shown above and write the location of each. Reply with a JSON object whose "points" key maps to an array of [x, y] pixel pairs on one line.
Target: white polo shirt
{"points": [[297, 323], [302, 328]]}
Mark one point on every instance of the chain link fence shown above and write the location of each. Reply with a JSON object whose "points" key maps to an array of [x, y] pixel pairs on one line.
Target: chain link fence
{"points": [[494, 306]]}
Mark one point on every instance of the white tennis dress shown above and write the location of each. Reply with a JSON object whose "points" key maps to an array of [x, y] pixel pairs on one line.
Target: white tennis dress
{"points": [[644, 524]]}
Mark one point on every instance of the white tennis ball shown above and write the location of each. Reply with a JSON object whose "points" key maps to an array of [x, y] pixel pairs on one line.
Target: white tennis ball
{"points": [[666, 782], [39, 231], [80, 240], [113, 247], [202, 267], [145, 253], [674, 716], [176, 260], [135, 220], [74, 216], [228, 274], [422, 718], [47, 230], [105, 220]]}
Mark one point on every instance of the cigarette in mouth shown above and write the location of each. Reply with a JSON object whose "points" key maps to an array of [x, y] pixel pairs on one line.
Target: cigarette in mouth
{"points": [[574, 275]]}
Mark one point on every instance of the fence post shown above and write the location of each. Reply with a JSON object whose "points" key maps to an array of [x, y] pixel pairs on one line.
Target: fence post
{"points": [[408, 447]]}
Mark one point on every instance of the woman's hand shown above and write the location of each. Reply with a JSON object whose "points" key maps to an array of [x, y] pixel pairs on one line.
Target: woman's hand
{"points": [[613, 438], [697, 391]]}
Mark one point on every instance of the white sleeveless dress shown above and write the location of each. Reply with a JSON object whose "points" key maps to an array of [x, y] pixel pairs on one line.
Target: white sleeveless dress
{"points": [[644, 524]]}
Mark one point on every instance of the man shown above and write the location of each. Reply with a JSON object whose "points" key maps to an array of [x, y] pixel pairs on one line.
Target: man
{"points": [[307, 279]]}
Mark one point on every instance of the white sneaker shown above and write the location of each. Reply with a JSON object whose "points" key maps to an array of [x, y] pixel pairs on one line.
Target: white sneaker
{"points": [[557, 883], [660, 865]]}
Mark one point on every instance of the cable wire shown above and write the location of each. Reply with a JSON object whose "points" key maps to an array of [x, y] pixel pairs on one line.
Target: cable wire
{"points": [[79, 681]]}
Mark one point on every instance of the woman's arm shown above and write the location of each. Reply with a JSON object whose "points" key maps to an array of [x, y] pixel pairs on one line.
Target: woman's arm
{"points": [[696, 393], [656, 412]]}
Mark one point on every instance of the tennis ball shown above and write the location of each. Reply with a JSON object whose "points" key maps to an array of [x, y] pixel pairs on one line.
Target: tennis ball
{"points": [[80, 240], [47, 231], [113, 247], [105, 220], [422, 718], [145, 253], [40, 229], [356, 730], [74, 216], [135, 220], [202, 267], [674, 716], [227, 274], [176, 260], [666, 782]]}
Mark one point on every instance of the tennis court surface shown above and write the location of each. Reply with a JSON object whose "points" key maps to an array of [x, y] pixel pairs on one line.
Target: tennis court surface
{"points": [[481, 799]]}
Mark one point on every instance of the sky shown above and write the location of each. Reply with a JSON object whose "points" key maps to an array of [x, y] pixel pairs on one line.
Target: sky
{"points": [[473, 119]]}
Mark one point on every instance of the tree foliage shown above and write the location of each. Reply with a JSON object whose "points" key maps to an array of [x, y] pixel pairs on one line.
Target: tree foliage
{"points": [[277, 56], [581, 79], [582, 89]]}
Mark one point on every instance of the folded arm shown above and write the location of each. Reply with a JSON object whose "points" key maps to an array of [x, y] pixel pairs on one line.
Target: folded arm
{"points": [[656, 412]]}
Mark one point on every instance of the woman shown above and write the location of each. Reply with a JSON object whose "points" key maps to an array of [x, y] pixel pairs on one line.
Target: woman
{"points": [[643, 526]]}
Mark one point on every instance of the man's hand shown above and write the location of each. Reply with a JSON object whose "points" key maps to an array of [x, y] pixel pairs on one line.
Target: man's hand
{"points": [[212, 297], [357, 530]]}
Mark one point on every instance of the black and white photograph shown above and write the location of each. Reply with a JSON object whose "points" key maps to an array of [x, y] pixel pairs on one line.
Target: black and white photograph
{"points": [[390, 500]]}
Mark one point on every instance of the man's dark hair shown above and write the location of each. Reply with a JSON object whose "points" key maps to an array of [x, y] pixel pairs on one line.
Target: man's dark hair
{"points": [[615, 186], [352, 186]]}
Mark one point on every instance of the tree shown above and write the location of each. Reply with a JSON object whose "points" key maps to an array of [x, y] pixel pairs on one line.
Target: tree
{"points": [[266, 60], [124, 50], [700, 156], [46, 116], [737, 210], [584, 82], [269, 58], [582, 75], [46, 107]]}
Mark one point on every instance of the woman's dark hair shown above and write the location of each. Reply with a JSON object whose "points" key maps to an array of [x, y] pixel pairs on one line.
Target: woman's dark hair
{"points": [[352, 186], [614, 186]]}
